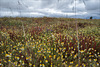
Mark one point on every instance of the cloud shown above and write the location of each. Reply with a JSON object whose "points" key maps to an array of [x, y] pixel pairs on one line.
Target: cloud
{"points": [[50, 8], [92, 4]]}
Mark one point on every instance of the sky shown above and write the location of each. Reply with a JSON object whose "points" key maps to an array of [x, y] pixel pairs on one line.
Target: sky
{"points": [[50, 8]]}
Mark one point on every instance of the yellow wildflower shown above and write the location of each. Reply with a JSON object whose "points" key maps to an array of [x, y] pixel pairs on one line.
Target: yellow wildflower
{"points": [[46, 61]]}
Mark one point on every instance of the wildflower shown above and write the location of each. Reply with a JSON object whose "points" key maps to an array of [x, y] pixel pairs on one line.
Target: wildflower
{"points": [[22, 56], [92, 49], [50, 56], [62, 43], [89, 49], [54, 48], [22, 48], [60, 49], [58, 64], [26, 43], [95, 60], [62, 56], [63, 59], [40, 61], [19, 51], [5, 61], [75, 56], [84, 65], [9, 60], [0, 64], [33, 65], [71, 54], [90, 60], [27, 58], [59, 53], [30, 59], [71, 47], [72, 51], [38, 51], [33, 46], [92, 55], [66, 53], [97, 64], [76, 65], [64, 48], [7, 55], [40, 65], [2, 44], [83, 58], [44, 57], [46, 61], [89, 52], [43, 65], [15, 63], [58, 58], [98, 55], [30, 64], [66, 61], [83, 38], [82, 51], [19, 65], [89, 55], [20, 61], [71, 62], [51, 64], [37, 43], [66, 56], [49, 51], [54, 56]]}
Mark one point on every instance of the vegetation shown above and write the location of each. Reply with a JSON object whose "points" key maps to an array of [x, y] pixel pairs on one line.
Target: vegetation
{"points": [[49, 42]]}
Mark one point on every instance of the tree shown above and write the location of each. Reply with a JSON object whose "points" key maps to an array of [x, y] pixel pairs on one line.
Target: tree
{"points": [[91, 17]]}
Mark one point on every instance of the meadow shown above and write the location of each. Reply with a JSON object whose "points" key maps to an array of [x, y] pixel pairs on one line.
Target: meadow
{"points": [[49, 42]]}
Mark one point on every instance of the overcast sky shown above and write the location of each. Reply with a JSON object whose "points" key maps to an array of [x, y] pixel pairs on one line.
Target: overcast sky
{"points": [[50, 8]]}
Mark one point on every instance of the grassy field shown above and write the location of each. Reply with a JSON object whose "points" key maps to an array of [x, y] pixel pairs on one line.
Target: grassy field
{"points": [[49, 42]]}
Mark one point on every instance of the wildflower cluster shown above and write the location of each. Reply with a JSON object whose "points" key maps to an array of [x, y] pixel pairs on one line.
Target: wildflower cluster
{"points": [[48, 44]]}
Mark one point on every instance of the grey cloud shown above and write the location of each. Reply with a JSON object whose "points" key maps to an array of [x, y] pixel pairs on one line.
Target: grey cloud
{"points": [[50, 8], [92, 4], [9, 4]]}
